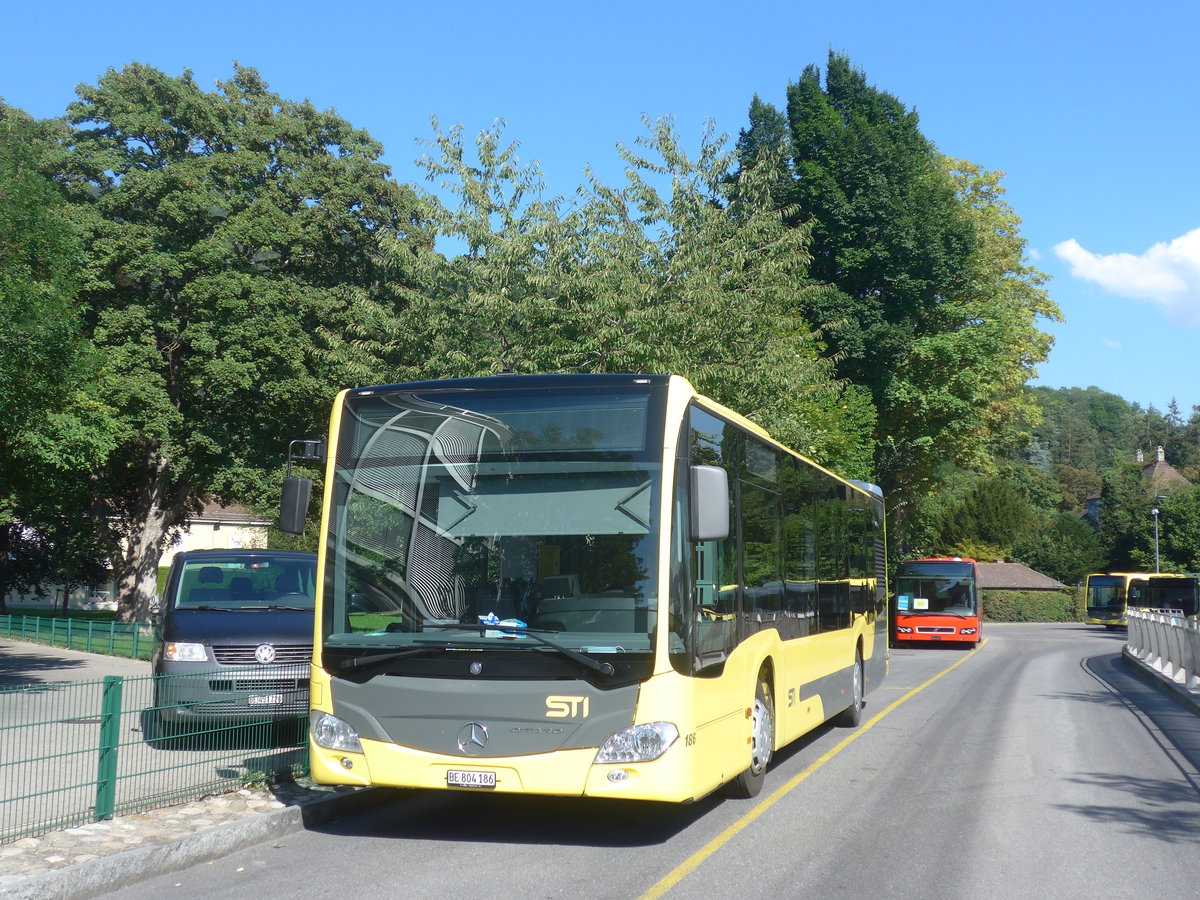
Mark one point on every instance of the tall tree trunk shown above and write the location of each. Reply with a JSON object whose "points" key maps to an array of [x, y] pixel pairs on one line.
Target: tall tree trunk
{"points": [[5, 566], [146, 531], [136, 567]]}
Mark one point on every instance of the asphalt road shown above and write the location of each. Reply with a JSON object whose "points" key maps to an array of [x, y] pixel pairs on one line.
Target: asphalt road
{"points": [[1036, 766], [24, 665]]}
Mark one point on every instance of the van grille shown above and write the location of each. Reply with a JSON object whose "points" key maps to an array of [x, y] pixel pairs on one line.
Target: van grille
{"points": [[243, 654]]}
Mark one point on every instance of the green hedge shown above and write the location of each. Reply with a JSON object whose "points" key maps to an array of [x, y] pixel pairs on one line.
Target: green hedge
{"points": [[1031, 606]]}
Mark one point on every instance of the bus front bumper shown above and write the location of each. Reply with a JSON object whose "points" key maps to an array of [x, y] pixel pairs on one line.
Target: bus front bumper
{"points": [[566, 773]]}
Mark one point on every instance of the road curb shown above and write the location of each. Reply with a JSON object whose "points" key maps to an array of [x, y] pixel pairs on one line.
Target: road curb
{"points": [[98, 876], [1150, 674]]}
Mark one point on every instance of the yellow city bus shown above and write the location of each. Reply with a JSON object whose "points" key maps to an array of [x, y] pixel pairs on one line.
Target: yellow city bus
{"points": [[1109, 594], [590, 585]]}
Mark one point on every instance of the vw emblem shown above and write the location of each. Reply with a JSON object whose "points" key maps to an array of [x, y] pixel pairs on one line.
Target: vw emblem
{"points": [[472, 738], [476, 668], [264, 653]]}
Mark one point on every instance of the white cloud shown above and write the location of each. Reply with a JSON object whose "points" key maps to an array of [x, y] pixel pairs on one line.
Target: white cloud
{"points": [[1167, 275], [1111, 344]]}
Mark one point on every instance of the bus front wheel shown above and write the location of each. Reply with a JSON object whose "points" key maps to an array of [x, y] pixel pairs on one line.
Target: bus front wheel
{"points": [[762, 743]]}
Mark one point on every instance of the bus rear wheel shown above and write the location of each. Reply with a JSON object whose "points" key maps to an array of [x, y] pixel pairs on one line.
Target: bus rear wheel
{"points": [[852, 714], [762, 743]]}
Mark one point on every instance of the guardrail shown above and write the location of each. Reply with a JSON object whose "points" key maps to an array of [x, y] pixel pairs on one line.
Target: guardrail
{"points": [[132, 640], [79, 752], [1168, 643]]}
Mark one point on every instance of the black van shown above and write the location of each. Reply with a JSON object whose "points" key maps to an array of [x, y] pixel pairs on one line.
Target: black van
{"points": [[235, 632]]}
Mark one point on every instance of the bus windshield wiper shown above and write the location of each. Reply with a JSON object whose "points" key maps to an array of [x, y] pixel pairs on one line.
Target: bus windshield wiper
{"points": [[588, 662], [347, 664]]}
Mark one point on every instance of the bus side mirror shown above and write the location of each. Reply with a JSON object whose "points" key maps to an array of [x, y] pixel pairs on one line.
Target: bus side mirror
{"points": [[293, 505], [710, 503]]}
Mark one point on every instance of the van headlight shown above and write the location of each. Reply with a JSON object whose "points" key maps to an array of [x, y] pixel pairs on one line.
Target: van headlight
{"points": [[638, 743], [332, 733], [174, 651]]}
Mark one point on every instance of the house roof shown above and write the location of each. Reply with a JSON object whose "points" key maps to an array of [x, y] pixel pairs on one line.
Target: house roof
{"points": [[1002, 576]]}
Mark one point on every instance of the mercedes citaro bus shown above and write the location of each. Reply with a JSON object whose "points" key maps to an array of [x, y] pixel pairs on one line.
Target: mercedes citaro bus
{"points": [[603, 586], [1109, 594]]}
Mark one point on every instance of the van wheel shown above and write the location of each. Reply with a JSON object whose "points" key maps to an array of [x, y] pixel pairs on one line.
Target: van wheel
{"points": [[762, 743], [852, 714]]}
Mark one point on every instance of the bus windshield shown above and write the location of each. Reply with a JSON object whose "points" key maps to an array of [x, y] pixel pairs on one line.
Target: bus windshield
{"points": [[936, 588], [529, 513], [1105, 594]]}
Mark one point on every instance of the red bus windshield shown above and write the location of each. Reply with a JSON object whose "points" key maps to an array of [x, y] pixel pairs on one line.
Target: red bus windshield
{"points": [[933, 587]]}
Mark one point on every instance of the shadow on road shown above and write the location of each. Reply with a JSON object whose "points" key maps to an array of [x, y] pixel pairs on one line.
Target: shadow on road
{"points": [[516, 819], [20, 668], [1166, 810], [1173, 816]]}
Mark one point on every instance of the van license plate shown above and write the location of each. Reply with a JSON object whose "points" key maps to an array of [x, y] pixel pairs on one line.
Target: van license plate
{"points": [[266, 699], [459, 778]]}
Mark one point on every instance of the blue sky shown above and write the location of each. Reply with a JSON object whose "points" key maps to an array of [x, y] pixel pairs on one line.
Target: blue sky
{"points": [[1091, 108]]}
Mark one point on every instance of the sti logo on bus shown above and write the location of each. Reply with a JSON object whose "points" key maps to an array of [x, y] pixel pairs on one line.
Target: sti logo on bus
{"points": [[566, 707]]}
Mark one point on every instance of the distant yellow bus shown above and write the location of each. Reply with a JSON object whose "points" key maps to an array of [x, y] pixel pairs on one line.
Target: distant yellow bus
{"points": [[1110, 594], [603, 586]]}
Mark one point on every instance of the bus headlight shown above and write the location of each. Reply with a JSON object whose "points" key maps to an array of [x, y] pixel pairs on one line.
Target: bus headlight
{"points": [[179, 652], [903, 629], [966, 631], [332, 733], [638, 743]]}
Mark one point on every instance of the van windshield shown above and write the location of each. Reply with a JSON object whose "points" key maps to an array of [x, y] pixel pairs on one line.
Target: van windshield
{"points": [[247, 582]]}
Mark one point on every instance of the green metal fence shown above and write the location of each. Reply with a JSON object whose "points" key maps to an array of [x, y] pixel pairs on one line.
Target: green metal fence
{"points": [[78, 752], [132, 640]]}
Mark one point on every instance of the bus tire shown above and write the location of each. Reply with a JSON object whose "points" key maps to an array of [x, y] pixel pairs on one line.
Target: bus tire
{"points": [[852, 714], [762, 743]]}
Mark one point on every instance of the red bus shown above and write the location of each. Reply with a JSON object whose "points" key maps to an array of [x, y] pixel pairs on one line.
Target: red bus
{"points": [[938, 600]]}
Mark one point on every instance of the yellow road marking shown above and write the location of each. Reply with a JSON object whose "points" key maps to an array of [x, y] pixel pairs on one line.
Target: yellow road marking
{"points": [[696, 859]]}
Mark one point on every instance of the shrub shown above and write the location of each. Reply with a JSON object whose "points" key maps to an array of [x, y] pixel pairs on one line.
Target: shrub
{"points": [[1030, 606]]}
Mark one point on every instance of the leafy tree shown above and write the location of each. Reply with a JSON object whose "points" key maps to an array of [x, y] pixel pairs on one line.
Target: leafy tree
{"points": [[50, 429], [1126, 526], [680, 270], [223, 230], [1179, 531], [1063, 546], [1185, 447], [987, 521], [1076, 485], [935, 311], [1087, 428]]}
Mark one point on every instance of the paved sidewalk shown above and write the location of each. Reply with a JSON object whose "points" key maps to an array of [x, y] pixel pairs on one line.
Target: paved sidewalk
{"points": [[83, 862], [1153, 675]]}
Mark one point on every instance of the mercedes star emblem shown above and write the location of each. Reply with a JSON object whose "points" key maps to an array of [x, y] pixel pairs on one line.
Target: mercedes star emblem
{"points": [[472, 738]]}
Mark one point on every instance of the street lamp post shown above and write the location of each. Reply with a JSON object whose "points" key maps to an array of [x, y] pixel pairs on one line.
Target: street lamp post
{"points": [[1154, 511]]}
